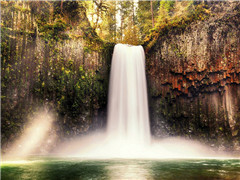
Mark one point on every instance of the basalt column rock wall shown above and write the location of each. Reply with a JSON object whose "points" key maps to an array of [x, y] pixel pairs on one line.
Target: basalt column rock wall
{"points": [[194, 80]]}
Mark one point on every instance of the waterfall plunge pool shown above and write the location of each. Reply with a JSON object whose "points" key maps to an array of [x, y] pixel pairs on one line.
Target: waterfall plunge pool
{"points": [[62, 168]]}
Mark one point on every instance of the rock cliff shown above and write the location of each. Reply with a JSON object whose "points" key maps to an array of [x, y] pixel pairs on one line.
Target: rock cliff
{"points": [[194, 79]]}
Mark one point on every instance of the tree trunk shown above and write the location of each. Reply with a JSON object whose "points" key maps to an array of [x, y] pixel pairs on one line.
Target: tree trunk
{"points": [[62, 6], [121, 26], [152, 13]]}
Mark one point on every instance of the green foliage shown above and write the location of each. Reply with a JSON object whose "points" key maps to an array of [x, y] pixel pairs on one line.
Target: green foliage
{"points": [[167, 5], [73, 91], [131, 35], [128, 30], [35, 68], [144, 16], [175, 16], [53, 30], [40, 9], [108, 26], [70, 10]]}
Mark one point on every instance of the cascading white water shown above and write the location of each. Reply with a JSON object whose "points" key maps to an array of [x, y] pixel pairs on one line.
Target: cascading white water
{"points": [[128, 130], [128, 119]]}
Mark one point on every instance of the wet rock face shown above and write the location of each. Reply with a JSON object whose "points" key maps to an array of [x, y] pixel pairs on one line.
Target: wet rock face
{"points": [[194, 79]]}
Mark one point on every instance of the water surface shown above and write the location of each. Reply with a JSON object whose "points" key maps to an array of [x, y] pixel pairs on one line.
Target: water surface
{"points": [[55, 168]]}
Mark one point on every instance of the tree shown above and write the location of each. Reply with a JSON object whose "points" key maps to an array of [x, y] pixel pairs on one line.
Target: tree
{"points": [[109, 23], [152, 14], [145, 16], [165, 10], [101, 8]]}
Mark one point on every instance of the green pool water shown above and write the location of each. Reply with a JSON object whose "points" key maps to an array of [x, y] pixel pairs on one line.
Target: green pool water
{"points": [[55, 168]]}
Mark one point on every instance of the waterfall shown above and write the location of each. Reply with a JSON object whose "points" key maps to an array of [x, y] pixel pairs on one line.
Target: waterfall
{"points": [[128, 118], [128, 130]]}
